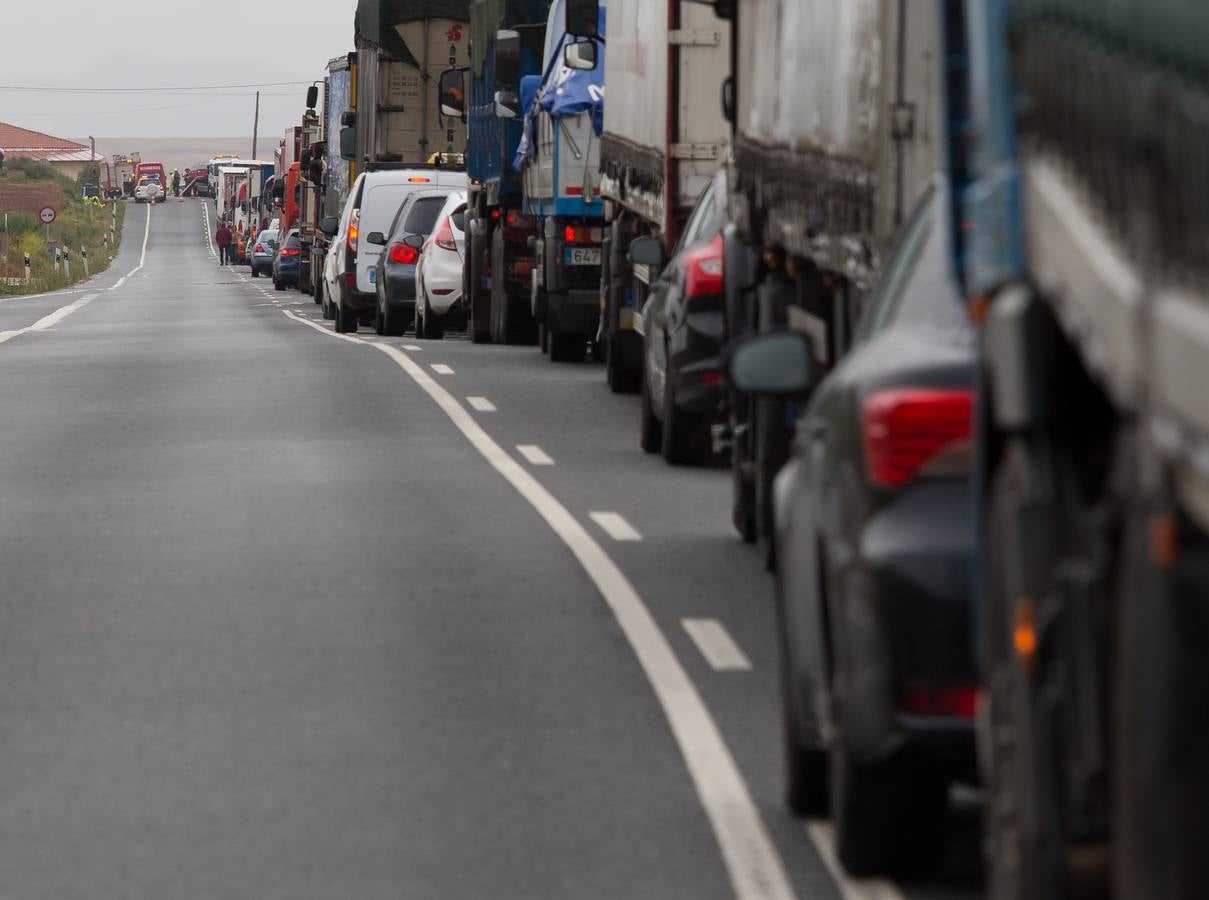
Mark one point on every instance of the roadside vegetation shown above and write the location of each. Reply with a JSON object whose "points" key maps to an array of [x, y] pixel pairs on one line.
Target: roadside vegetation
{"points": [[25, 187]]}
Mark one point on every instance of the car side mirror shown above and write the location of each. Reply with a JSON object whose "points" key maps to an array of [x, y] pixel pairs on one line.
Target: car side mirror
{"points": [[648, 251], [580, 55], [507, 105], [780, 364], [415, 241], [329, 225], [377, 238]]}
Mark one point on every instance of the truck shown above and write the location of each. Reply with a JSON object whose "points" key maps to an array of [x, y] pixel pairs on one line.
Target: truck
{"points": [[1076, 136], [559, 159], [659, 147], [401, 47], [506, 44], [817, 190], [326, 167]]}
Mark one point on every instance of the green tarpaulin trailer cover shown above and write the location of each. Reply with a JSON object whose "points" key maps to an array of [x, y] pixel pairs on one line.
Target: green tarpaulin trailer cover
{"points": [[377, 20]]}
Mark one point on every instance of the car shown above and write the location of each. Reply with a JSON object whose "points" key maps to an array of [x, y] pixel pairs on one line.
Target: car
{"points": [[395, 275], [349, 288], [149, 190], [439, 271], [682, 384], [286, 261], [262, 250], [875, 548]]}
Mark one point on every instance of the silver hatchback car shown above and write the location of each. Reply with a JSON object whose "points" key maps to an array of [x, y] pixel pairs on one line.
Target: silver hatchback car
{"points": [[262, 250]]}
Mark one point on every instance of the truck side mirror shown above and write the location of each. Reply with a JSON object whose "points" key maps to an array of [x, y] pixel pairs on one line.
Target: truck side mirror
{"points": [[312, 96], [453, 93], [507, 105], [348, 143], [583, 18], [780, 364], [580, 55], [507, 58], [647, 251]]}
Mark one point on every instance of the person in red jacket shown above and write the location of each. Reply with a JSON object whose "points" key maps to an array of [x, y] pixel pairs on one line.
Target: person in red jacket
{"points": [[222, 237]]}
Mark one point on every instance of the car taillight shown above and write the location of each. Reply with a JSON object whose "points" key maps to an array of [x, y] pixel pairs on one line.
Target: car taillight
{"points": [[444, 236], [289, 251], [703, 270], [353, 232], [259, 248], [582, 234], [404, 253], [959, 702], [904, 429]]}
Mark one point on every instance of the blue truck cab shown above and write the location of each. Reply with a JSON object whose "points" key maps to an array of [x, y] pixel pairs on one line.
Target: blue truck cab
{"points": [[559, 158]]}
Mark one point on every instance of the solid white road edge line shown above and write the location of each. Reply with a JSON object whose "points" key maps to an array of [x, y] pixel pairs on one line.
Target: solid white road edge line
{"points": [[146, 235], [615, 526], [481, 404], [121, 281], [534, 454], [716, 645], [755, 869], [206, 225], [50, 319], [820, 835]]}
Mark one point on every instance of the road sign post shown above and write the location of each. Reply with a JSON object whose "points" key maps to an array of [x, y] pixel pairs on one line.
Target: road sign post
{"points": [[47, 214]]}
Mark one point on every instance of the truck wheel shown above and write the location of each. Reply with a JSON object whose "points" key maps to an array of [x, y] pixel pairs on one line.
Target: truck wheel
{"points": [[543, 338], [680, 430], [479, 313], [651, 436], [771, 443], [568, 347], [499, 295], [621, 379]]}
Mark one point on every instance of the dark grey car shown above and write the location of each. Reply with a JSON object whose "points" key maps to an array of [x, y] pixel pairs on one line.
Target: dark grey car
{"points": [[395, 273]]}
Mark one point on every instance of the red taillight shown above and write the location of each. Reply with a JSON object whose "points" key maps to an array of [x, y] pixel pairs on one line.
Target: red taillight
{"points": [[353, 232], [516, 219], [703, 270], [289, 251], [404, 254], [947, 702], [905, 429], [259, 248], [495, 213], [444, 236], [582, 234]]}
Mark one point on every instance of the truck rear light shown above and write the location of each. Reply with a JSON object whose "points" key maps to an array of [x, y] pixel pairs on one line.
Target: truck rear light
{"points": [[905, 429], [350, 279], [515, 219], [582, 234], [404, 254], [444, 236], [703, 270], [949, 702]]}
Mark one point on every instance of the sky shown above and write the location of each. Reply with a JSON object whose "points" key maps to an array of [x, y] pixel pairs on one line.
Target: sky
{"points": [[165, 44]]}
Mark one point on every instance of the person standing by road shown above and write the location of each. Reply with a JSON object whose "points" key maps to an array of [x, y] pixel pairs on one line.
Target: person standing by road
{"points": [[222, 238]]}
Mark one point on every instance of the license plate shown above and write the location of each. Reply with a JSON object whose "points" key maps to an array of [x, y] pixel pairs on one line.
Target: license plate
{"points": [[582, 256], [373, 276]]}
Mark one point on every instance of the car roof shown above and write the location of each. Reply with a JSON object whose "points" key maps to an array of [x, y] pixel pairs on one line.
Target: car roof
{"points": [[438, 177]]}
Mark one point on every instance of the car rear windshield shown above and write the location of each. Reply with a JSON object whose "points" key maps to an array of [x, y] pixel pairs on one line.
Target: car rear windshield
{"points": [[422, 218], [458, 217], [291, 239]]}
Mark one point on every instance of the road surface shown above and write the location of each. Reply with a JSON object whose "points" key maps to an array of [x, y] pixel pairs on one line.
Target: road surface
{"points": [[284, 614]]}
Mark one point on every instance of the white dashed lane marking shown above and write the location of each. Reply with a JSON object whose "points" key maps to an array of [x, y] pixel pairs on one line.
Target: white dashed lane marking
{"points": [[482, 404], [716, 645], [411, 347], [534, 454], [442, 369], [615, 526]]}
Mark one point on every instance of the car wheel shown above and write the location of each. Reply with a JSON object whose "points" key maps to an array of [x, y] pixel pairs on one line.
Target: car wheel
{"points": [[394, 323], [379, 320], [325, 303], [805, 765], [680, 430], [543, 338], [621, 380], [434, 325], [255, 272], [651, 435], [346, 320], [420, 320]]}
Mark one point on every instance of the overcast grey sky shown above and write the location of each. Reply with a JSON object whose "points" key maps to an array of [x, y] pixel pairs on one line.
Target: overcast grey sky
{"points": [[168, 43]]}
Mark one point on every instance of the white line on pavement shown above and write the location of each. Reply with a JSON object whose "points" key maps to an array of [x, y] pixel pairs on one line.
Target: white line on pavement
{"points": [[51, 319], [146, 235], [121, 281], [534, 454], [615, 526], [412, 347], [755, 868], [482, 404], [442, 369], [716, 645], [206, 225], [850, 888]]}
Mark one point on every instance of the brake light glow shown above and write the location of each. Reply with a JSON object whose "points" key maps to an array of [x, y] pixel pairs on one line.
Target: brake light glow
{"points": [[444, 236], [289, 251], [950, 702], [259, 248], [703, 270], [415, 179], [515, 219], [404, 254], [905, 428], [353, 232], [580, 234]]}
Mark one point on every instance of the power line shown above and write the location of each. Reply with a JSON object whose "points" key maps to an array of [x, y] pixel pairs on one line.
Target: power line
{"points": [[187, 89]]}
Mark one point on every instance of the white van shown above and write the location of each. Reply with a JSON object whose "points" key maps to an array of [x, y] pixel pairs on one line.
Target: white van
{"points": [[349, 293]]}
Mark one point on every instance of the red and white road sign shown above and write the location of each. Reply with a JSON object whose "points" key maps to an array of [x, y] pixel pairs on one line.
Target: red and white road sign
{"points": [[47, 214]]}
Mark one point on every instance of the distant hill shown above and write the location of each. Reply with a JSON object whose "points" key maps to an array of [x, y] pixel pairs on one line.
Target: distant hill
{"points": [[182, 153]]}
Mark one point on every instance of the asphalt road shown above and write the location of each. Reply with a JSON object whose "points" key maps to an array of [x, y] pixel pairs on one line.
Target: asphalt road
{"points": [[287, 615]]}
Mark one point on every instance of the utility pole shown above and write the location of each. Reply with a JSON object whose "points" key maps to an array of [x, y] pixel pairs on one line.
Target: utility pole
{"points": [[255, 124]]}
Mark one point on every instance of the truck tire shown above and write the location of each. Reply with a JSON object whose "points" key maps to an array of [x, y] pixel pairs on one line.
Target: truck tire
{"points": [[771, 443], [478, 322]]}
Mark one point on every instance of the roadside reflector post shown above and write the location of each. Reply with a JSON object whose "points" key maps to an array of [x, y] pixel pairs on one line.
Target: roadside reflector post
{"points": [[67, 261], [28, 269], [84, 256], [58, 256]]}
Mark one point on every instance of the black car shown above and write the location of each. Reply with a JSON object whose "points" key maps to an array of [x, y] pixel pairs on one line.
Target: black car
{"points": [[285, 261], [395, 273], [875, 548], [682, 333]]}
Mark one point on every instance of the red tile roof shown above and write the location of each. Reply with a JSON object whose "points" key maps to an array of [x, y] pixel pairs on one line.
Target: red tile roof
{"points": [[14, 138]]}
